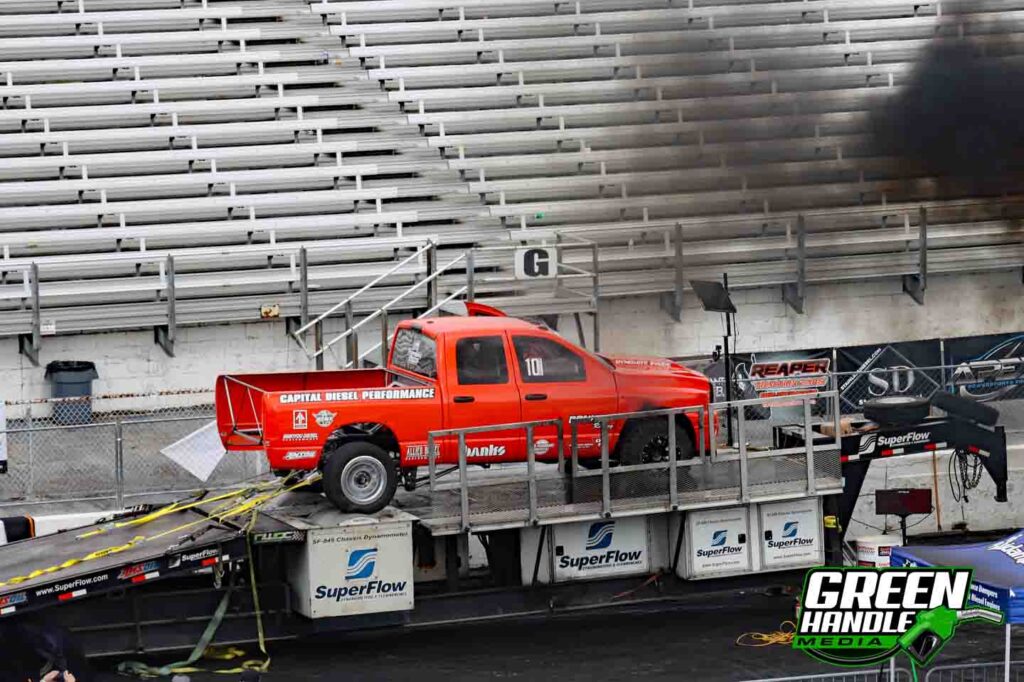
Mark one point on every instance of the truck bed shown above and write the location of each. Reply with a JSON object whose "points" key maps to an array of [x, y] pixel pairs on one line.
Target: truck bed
{"points": [[239, 398]]}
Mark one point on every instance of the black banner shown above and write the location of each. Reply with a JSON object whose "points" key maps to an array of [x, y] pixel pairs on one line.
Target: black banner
{"points": [[987, 367], [894, 369]]}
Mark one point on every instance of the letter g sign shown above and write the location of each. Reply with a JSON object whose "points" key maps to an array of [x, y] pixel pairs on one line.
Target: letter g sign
{"points": [[536, 263]]}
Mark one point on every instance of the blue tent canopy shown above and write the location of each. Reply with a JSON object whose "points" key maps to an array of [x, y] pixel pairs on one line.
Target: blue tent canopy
{"points": [[998, 570]]}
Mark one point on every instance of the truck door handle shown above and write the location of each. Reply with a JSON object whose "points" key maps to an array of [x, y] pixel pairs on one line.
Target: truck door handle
{"points": [[536, 396], [463, 399]]}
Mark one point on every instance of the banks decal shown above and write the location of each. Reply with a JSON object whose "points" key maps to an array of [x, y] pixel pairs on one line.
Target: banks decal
{"points": [[865, 616], [300, 420], [486, 451]]}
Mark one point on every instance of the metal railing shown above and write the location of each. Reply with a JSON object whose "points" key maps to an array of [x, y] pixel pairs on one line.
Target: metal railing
{"points": [[434, 452], [467, 261], [110, 452], [672, 463], [889, 673], [713, 477], [977, 672], [428, 250]]}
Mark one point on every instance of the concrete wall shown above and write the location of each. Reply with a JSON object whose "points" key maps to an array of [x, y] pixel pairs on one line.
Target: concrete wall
{"points": [[130, 362], [841, 314]]}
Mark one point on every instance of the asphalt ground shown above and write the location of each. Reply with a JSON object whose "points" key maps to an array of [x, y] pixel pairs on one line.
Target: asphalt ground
{"points": [[691, 639]]}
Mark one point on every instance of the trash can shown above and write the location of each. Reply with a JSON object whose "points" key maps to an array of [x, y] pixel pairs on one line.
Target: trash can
{"points": [[71, 379]]}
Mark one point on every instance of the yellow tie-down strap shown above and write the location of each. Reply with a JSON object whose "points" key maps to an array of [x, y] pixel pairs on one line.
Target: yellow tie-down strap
{"points": [[233, 504]]}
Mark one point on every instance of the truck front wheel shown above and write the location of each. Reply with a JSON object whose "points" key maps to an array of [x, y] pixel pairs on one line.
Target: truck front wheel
{"points": [[360, 477]]}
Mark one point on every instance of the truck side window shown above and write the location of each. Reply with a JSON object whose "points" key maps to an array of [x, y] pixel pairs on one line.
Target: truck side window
{"points": [[543, 360], [481, 360], [415, 352]]}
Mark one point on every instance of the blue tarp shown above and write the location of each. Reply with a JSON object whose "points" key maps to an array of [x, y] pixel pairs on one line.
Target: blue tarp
{"points": [[998, 570]]}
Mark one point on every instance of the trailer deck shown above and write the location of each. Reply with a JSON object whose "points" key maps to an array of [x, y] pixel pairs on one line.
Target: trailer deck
{"points": [[71, 565]]}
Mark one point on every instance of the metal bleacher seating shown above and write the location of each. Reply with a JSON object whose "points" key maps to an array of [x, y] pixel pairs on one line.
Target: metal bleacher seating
{"points": [[190, 161]]}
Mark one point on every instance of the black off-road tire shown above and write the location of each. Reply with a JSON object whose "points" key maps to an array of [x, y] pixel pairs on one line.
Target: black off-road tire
{"points": [[965, 408], [897, 409], [360, 477], [645, 441]]}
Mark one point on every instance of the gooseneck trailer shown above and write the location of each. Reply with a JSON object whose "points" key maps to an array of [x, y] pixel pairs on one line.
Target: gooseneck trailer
{"points": [[277, 560]]}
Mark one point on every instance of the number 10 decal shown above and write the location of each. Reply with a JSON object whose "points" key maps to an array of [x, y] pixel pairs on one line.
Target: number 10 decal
{"points": [[535, 367]]}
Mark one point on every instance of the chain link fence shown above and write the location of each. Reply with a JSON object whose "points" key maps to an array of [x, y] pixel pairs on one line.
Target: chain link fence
{"points": [[90, 452]]}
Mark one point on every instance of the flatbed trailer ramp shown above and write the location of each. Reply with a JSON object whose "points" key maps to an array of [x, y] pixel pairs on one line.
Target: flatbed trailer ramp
{"points": [[71, 565]]}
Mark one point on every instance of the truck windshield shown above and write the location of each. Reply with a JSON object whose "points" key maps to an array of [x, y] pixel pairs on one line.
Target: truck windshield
{"points": [[415, 352]]}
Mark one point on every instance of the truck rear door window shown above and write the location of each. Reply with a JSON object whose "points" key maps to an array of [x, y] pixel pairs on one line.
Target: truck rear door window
{"points": [[415, 352], [543, 360], [481, 360]]}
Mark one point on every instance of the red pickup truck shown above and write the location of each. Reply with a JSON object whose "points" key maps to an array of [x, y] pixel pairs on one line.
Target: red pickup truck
{"points": [[366, 428]]}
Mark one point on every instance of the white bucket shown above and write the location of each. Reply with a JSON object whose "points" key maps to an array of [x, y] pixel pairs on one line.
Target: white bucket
{"points": [[875, 550]]}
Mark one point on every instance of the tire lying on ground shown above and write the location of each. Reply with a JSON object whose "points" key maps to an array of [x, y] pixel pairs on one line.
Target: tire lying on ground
{"points": [[965, 408], [896, 409], [360, 477]]}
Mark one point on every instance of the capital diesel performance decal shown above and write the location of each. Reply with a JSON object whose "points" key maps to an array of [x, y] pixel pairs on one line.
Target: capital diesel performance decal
{"points": [[865, 616]]}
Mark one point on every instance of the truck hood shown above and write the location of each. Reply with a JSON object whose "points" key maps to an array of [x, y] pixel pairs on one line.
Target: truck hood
{"points": [[641, 365]]}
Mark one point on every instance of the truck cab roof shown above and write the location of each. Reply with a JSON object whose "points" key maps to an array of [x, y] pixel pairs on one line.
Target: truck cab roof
{"points": [[442, 325]]}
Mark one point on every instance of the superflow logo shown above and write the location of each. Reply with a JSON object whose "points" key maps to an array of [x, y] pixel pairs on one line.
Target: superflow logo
{"points": [[790, 529], [864, 616], [719, 537], [600, 535], [361, 564]]}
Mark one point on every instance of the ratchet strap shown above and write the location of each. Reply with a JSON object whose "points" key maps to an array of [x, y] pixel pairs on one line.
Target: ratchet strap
{"points": [[253, 498]]}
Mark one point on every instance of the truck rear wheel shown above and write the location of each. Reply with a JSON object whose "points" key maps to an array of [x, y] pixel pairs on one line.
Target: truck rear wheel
{"points": [[360, 477], [646, 441]]}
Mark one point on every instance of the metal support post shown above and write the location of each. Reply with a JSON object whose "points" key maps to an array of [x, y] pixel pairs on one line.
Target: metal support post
{"points": [[606, 493], [809, 448], [470, 275], [431, 461], [431, 269], [531, 481], [303, 287], [793, 293], [384, 334], [728, 366], [118, 465], [673, 303], [597, 296], [29, 344], [744, 471], [673, 473], [318, 344], [463, 482], [165, 335], [351, 344], [915, 285]]}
